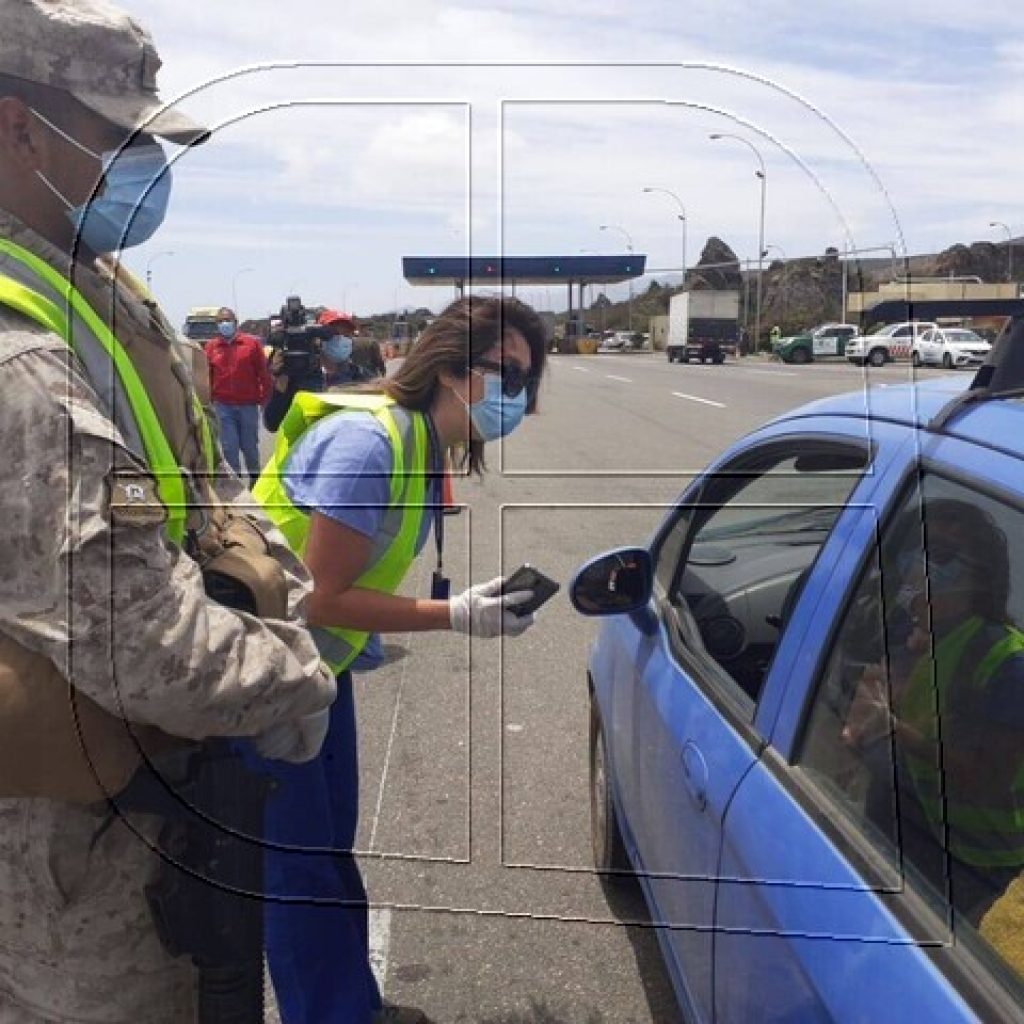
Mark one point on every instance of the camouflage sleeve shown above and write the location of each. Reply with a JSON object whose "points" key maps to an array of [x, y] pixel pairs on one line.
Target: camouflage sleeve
{"points": [[91, 582], [233, 492]]}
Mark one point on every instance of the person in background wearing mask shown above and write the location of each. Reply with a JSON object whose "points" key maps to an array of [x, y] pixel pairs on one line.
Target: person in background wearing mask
{"points": [[240, 385], [337, 351], [113, 494], [355, 484]]}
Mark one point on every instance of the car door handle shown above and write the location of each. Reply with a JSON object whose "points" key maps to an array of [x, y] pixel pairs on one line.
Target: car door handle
{"points": [[695, 772]]}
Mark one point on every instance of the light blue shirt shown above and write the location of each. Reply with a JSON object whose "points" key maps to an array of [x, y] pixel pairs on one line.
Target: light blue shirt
{"points": [[341, 468]]}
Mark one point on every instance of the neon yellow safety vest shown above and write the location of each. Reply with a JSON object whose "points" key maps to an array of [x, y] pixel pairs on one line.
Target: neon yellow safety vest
{"points": [[35, 289], [988, 834], [394, 548]]}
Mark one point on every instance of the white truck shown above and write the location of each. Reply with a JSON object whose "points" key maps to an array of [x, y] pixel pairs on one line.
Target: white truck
{"points": [[703, 325]]}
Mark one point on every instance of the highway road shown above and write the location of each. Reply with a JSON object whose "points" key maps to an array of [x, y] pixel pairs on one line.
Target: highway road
{"points": [[474, 830]]}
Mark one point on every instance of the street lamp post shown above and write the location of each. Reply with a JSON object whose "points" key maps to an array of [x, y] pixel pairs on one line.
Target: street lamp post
{"points": [[763, 175], [234, 286], [149, 267], [682, 217], [629, 249], [1009, 246]]}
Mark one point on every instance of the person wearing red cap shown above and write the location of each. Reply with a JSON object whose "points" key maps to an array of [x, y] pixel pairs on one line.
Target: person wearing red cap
{"points": [[336, 353]]}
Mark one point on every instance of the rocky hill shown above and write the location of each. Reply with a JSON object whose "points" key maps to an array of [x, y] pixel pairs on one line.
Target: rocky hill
{"points": [[799, 292]]}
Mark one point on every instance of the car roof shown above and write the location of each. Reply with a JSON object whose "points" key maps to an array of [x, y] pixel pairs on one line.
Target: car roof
{"points": [[996, 423]]}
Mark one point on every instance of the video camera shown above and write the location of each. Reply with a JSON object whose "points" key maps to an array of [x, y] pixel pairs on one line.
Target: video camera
{"points": [[299, 339]]}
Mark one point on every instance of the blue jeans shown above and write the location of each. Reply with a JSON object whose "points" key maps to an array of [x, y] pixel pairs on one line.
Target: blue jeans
{"points": [[316, 915], [240, 429]]}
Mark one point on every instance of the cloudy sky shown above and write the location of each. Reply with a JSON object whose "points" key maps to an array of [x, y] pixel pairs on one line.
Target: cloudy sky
{"points": [[348, 136]]}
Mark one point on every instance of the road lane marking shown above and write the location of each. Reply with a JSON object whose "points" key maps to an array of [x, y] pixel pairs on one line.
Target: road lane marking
{"points": [[625, 380], [380, 944], [694, 398], [582, 369]]}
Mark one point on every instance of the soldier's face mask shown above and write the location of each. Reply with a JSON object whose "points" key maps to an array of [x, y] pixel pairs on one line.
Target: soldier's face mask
{"points": [[132, 205]]}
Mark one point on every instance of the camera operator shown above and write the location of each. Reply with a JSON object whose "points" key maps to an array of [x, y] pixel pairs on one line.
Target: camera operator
{"points": [[333, 365], [295, 363]]}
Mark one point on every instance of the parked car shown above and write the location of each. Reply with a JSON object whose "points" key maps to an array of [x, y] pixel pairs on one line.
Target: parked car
{"points": [[892, 342], [807, 715], [951, 347], [821, 342]]}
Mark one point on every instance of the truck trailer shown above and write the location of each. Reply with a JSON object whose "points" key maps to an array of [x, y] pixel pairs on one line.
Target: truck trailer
{"points": [[703, 325]]}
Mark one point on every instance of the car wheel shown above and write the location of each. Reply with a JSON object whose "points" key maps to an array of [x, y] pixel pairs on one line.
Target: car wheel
{"points": [[915, 358], [718, 360], [947, 360], [876, 357], [800, 355], [606, 839]]}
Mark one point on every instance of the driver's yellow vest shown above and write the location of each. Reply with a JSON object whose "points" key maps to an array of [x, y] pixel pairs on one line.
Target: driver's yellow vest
{"points": [[36, 290], [987, 832], [394, 548]]}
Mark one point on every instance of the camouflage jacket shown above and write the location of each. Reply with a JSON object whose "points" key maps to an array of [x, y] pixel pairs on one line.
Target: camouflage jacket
{"points": [[123, 614]]}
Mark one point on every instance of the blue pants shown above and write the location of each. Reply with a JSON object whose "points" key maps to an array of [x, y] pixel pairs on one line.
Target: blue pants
{"points": [[319, 953], [240, 430]]}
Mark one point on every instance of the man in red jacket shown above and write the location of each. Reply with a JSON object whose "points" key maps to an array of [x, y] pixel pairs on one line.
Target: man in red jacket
{"points": [[240, 384]]}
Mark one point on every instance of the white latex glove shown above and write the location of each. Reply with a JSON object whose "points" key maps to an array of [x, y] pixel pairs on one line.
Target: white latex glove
{"points": [[295, 740], [484, 611]]}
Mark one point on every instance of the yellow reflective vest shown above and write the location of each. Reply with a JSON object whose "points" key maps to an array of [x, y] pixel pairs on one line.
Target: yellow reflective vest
{"points": [[394, 547], [41, 293], [988, 832]]}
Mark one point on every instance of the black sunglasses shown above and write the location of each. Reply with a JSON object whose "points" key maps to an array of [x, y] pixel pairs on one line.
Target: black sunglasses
{"points": [[513, 378]]}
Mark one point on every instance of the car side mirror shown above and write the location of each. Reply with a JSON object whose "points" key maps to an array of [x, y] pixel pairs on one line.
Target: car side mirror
{"points": [[615, 583]]}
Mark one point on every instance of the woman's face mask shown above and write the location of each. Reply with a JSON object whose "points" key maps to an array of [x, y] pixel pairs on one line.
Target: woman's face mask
{"points": [[496, 414]]}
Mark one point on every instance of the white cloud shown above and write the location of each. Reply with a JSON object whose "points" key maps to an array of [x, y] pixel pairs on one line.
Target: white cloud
{"points": [[937, 116]]}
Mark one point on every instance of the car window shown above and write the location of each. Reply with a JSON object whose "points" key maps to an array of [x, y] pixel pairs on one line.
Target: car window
{"points": [[916, 730], [903, 332], [746, 553]]}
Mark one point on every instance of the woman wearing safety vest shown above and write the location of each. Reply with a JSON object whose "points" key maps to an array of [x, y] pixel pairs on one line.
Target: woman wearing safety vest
{"points": [[355, 484], [952, 709]]}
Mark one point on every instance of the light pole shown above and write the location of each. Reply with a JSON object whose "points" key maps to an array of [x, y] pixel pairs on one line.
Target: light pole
{"points": [[682, 217], [149, 266], [1009, 246], [629, 249], [234, 286], [763, 175]]}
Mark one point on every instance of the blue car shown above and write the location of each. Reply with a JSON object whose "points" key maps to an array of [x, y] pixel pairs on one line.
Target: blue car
{"points": [[807, 714]]}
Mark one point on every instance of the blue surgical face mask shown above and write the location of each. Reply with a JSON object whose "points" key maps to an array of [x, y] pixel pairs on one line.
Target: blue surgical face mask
{"points": [[338, 348], [495, 415], [226, 328], [134, 198]]}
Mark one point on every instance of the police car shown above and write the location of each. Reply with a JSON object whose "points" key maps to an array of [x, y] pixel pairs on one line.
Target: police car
{"points": [[892, 342], [807, 711]]}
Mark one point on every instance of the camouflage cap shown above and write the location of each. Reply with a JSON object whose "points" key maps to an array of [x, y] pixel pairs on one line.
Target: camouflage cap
{"points": [[96, 52]]}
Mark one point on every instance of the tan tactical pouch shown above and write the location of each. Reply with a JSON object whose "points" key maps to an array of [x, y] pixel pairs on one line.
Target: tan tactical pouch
{"points": [[238, 569], [57, 743]]}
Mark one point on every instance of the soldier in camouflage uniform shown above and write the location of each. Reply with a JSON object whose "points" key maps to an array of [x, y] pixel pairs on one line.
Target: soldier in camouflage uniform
{"points": [[93, 592]]}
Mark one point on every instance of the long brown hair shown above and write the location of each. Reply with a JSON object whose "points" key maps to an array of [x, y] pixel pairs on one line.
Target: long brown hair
{"points": [[454, 342]]}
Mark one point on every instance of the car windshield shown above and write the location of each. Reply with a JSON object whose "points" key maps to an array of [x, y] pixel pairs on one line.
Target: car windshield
{"points": [[964, 338], [201, 330]]}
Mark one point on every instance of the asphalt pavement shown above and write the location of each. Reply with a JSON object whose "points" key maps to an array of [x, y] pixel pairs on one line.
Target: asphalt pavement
{"points": [[474, 833]]}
